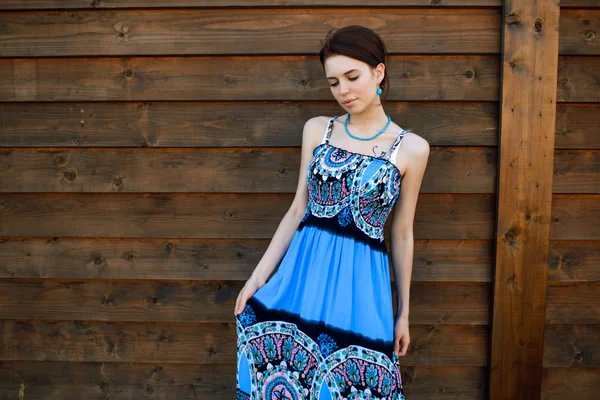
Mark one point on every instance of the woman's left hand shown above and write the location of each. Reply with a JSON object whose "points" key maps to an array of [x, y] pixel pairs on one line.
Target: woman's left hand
{"points": [[401, 336]]}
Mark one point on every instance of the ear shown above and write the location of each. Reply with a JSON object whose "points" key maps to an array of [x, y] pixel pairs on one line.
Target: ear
{"points": [[380, 72]]}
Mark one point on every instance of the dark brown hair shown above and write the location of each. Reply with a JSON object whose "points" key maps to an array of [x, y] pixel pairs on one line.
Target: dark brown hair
{"points": [[360, 43]]}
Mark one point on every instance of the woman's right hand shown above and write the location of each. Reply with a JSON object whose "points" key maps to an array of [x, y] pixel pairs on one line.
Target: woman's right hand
{"points": [[247, 292]]}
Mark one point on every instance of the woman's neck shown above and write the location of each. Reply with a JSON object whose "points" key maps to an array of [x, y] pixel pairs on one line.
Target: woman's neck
{"points": [[369, 121]]}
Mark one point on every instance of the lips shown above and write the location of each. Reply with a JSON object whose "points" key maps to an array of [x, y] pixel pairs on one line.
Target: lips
{"points": [[349, 101]]}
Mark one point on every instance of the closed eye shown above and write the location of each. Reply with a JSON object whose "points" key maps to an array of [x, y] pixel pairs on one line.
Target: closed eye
{"points": [[352, 79]]}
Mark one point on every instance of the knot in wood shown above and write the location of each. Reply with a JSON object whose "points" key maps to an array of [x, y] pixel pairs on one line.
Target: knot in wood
{"points": [[469, 74], [510, 237], [99, 261], [128, 72], [104, 386], [538, 25], [512, 18], [589, 36], [171, 246], [117, 181], [229, 214], [131, 256], [60, 160], [70, 175]]}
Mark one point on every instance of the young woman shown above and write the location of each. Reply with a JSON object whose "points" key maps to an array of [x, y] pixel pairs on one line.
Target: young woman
{"points": [[323, 327]]}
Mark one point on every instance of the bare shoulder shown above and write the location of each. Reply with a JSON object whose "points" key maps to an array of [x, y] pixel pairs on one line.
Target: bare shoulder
{"points": [[314, 129], [414, 145]]}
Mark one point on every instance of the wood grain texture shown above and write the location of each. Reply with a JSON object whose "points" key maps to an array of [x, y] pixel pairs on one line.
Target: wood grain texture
{"points": [[575, 383], [254, 124], [573, 261], [575, 217], [578, 79], [208, 259], [255, 170], [576, 171], [129, 215], [573, 303], [576, 126], [572, 346], [529, 85], [197, 301], [104, 4], [242, 31], [74, 380], [290, 31], [213, 78], [579, 31], [203, 343], [243, 124]]}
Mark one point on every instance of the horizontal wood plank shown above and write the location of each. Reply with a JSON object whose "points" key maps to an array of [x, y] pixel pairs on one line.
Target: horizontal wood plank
{"points": [[245, 124], [574, 261], [572, 346], [121, 215], [570, 383], [578, 79], [194, 301], [256, 170], [208, 259], [416, 78], [576, 171], [575, 216], [573, 303], [107, 4], [576, 125], [578, 31], [258, 124], [75, 380], [203, 343], [242, 31]]}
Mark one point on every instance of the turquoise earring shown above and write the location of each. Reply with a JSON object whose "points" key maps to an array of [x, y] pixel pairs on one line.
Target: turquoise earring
{"points": [[378, 91]]}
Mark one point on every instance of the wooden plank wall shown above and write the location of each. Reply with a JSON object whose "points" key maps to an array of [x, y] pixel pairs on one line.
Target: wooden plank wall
{"points": [[149, 150], [571, 362]]}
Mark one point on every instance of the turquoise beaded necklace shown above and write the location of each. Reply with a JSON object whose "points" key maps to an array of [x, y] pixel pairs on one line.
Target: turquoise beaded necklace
{"points": [[389, 120]]}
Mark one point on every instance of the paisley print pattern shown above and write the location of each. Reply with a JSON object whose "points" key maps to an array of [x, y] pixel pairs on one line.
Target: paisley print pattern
{"points": [[368, 185]]}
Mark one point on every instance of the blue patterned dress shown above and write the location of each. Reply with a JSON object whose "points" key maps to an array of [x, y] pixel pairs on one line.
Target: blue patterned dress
{"points": [[322, 327]]}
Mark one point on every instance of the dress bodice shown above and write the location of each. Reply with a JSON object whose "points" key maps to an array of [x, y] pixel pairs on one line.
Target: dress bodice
{"points": [[355, 188]]}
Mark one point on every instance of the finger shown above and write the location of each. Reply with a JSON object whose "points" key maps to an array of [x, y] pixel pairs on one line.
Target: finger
{"points": [[404, 347], [237, 306]]}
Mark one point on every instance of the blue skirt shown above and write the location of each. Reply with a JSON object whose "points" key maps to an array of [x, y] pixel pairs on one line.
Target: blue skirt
{"points": [[322, 326]]}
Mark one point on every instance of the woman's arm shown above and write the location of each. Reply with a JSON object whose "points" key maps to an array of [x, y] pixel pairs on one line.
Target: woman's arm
{"points": [[416, 154], [312, 134]]}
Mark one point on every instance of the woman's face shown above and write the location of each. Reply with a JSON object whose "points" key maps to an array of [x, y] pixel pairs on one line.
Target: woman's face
{"points": [[353, 83]]}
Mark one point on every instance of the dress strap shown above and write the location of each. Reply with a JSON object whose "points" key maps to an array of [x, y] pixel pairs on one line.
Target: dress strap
{"points": [[327, 134], [393, 151]]}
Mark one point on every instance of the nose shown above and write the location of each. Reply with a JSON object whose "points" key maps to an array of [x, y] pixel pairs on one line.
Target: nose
{"points": [[343, 88]]}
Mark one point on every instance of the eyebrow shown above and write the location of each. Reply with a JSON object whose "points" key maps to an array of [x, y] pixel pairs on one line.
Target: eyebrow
{"points": [[345, 73]]}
